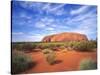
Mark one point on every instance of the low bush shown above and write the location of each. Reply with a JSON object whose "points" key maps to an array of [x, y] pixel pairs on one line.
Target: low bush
{"points": [[49, 55], [87, 64], [21, 62], [47, 51], [62, 47]]}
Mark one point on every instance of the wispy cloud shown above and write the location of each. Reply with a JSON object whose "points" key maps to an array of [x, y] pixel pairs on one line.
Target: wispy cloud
{"points": [[79, 10], [57, 9], [49, 29], [17, 33], [40, 25], [85, 23], [20, 36]]}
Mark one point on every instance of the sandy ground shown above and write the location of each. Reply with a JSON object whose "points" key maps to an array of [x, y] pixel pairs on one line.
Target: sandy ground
{"points": [[66, 61]]}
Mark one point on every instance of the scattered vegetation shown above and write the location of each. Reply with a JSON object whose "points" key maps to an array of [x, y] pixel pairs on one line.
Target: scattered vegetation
{"points": [[21, 62], [87, 64], [72, 45]]}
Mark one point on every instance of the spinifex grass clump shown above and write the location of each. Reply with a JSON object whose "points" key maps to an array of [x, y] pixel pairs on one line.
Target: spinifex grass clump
{"points": [[87, 64], [21, 62], [50, 56]]}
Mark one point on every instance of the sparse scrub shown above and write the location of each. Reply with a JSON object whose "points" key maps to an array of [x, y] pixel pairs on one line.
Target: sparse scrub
{"points": [[87, 64], [17, 46], [71, 45], [21, 62], [29, 46], [84, 46]]}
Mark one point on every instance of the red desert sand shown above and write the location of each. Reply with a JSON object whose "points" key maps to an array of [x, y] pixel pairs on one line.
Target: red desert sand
{"points": [[66, 61]]}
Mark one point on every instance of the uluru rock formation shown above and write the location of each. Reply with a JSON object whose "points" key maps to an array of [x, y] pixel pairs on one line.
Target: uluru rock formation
{"points": [[66, 36]]}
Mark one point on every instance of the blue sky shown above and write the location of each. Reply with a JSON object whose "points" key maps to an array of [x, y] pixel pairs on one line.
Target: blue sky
{"points": [[31, 21]]}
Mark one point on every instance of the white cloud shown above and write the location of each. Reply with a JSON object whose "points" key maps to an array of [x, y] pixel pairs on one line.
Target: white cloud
{"points": [[40, 25], [25, 15], [58, 10], [79, 10], [51, 24], [80, 18], [17, 33], [27, 37], [30, 4], [85, 23], [57, 7], [48, 7], [44, 22], [47, 19], [22, 18], [36, 37], [49, 29]]}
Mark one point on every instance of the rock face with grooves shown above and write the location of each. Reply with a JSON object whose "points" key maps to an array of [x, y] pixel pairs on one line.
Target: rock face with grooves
{"points": [[64, 37]]}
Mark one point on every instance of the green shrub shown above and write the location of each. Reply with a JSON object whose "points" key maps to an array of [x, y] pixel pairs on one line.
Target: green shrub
{"points": [[62, 47], [47, 45], [84, 46], [21, 62], [24, 46], [49, 55], [87, 64], [47, 51], [16, 46], [73, 45], [94, 43], [28, 46]]}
